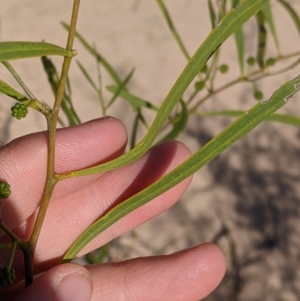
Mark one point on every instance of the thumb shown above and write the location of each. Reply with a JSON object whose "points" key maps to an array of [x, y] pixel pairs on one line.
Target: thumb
{"points": [[63, 283]]}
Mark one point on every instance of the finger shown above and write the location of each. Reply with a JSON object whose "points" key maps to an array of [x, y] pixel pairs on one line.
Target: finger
{"points": [[67, 218], [62, 283], [23, 162], [188, 276]]}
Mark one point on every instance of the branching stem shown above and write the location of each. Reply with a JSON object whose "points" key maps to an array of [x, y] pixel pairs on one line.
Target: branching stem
{"points": [[253, 77], [52, 119]]}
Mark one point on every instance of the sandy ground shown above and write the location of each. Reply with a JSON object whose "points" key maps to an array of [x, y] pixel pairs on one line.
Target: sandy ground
{"points": [[246, 200]]}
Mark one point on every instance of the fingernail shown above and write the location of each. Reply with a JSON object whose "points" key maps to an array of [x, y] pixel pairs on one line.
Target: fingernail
{"points": [[74, 287]]}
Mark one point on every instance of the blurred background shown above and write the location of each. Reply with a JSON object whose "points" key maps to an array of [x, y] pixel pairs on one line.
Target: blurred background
{"points": [[248, 199]]}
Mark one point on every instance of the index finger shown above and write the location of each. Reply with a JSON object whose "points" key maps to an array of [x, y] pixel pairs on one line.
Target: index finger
{"points": [[23, 162]]}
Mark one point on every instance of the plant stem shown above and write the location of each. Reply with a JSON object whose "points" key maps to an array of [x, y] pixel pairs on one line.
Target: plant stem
{"points": [[13, 72], [52, 119], [253, 77], [9, 233], [12, 254]]}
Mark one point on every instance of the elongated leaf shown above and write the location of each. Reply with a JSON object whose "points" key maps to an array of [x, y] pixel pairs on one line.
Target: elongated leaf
{"points": [[121, 88], [11, 92], [179, 124], [20, 50], [212, 14], [262, 38], [172, 28], [292, 13], [87, 76], [213, 148], [110, 70], [240, 45], [267, 11], [234, 19], [283, 118], [135, 101], [66, 105], [239, 41]]}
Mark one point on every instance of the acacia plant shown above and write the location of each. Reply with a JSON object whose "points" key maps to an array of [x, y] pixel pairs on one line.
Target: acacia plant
{"points": [[227, 18]]}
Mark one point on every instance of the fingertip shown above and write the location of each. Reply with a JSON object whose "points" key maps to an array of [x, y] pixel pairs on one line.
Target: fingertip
{"points": [[208, 265], [187, 275]]}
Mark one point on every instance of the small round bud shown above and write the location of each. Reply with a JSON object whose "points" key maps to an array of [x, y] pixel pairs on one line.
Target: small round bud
{"points": [[223, 68], [4, 190], [270, 62], [199, 85], [19, 111], [258, 95], [251, 61]]}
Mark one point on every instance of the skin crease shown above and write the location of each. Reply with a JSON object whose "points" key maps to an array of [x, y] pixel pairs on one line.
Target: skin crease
{"points": [[188, 275]]}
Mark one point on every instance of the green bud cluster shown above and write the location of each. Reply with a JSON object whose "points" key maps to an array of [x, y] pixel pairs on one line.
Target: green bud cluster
{"points": [[4, 190], [7, 276], [19, 110]]}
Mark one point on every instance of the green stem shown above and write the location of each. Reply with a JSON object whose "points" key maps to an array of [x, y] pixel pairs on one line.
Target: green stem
{"points": [[253, 77], [9, 233], [13, 72], [52, 119], [12, 254]]}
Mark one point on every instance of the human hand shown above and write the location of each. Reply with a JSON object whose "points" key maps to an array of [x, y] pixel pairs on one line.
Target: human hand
{"points": [[77, 202]]}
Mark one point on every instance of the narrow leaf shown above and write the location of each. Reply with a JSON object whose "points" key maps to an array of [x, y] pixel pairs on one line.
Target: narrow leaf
{"points": [[110, 70], [240, 45], [212, 14], [262, 38], [239, 41], [135, 101], [234, 19], [87, 76], [283, 118], [292, 13], [19, 50], [267, 11], [11, 92], [120, 88], [66, 105], [204, 155], [172, 28]]}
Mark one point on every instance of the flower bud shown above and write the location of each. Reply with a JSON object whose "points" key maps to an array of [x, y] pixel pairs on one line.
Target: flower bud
{"points": [[19, 110], [4, 190]]}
